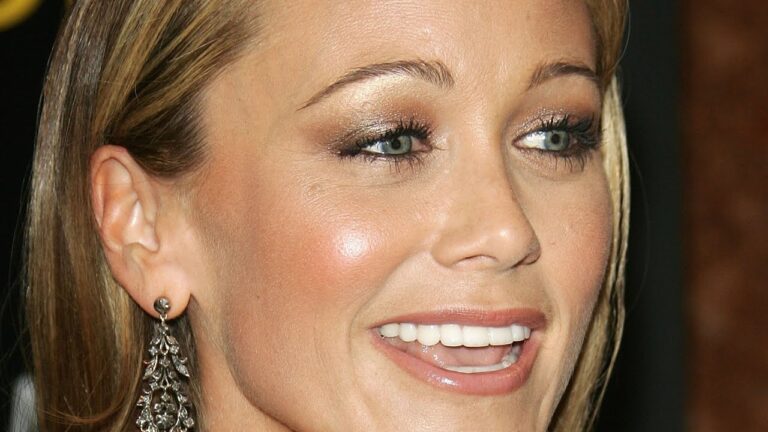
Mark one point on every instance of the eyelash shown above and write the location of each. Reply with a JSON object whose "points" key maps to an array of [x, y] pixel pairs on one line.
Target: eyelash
{"points": [[583, 132], [412, 128]]}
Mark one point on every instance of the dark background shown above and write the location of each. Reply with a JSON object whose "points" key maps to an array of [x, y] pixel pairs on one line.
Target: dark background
{"points": [[651, 389], [646, 391], [24, 50]]}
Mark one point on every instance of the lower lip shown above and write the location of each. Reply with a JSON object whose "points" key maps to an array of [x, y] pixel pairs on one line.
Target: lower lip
{"points": [[497, 382]]}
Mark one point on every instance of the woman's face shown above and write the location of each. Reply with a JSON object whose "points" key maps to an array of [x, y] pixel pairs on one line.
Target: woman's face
{"points": [[421, 169]]}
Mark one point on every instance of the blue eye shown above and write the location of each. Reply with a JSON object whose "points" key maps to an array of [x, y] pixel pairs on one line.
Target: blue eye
{"points": [[396, 145], [562, 139], [404, 140], [551, 140]]}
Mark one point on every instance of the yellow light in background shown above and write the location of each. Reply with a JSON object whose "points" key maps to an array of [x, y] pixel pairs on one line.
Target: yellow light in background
{"points": [[13, 12]]}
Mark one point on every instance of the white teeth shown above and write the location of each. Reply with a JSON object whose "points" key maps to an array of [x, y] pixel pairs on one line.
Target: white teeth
{"points": [[518, 333], [454, 335], [428, 335], [475, 336], [390, 330], [451, 335], [407, 332], [500, 335]]}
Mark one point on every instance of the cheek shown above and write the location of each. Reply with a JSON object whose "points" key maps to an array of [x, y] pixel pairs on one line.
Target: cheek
{"points": [[573, 224], [309, 259], [584, 242], [295, 273], [305, 264]]}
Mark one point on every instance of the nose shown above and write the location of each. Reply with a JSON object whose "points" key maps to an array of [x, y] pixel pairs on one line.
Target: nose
{"points": [[486, 226]]}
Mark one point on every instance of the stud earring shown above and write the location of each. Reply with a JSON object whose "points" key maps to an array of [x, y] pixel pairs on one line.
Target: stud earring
{"points": [[164, 402]]}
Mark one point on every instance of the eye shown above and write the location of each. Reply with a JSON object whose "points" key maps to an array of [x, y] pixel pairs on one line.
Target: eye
{"points": [[567, 138], [551, 140], [402, 141], [395, 145], [562, 137]]}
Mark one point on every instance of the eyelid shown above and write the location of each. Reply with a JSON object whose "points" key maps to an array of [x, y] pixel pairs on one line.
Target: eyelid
{"points": [[583, 133], [580, 126], [354, 145], [359, 140]]}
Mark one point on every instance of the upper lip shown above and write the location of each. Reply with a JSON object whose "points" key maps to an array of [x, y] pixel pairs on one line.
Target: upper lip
{"points": [[529, 317]]}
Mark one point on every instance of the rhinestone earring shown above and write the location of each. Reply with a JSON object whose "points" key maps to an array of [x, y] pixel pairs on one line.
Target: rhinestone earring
{"points": [[164, 402]]}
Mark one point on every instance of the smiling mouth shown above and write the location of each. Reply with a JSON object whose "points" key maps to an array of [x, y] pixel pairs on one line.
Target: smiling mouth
{"points": [[459, 348], [464, 350]]}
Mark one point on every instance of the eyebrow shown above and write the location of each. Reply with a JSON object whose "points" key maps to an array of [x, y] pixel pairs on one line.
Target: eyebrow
{"points": [[434, 72], [547, 71], [437, 73]]}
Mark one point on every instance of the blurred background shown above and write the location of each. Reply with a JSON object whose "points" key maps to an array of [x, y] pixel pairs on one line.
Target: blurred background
{"points": [[695, 83]]}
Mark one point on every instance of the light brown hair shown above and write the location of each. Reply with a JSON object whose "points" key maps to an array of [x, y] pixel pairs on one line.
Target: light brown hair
{"points": [[131, 73], [579, 405]]}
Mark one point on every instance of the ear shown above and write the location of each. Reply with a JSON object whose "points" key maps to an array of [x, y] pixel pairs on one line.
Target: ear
{"points": [[140, 244]]}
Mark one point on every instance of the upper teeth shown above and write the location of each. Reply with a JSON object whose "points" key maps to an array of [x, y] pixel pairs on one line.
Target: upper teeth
{"points": [[453, 335]]}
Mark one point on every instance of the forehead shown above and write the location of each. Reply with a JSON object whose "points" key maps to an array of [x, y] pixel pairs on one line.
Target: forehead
{"points": [[305, 45], [323, 35]]}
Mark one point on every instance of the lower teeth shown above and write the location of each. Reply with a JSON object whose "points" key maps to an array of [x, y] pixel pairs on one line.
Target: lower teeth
{"points": [[507, 361]]}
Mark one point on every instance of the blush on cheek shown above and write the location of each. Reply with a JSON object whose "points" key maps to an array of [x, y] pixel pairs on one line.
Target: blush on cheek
{"points": [[352, 246], [321, 262]]}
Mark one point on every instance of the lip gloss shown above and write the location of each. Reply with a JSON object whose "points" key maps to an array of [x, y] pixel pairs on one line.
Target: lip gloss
{"points": [[497, 382]]}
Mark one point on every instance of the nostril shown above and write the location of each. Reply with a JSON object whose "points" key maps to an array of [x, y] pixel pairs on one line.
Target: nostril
{"points": [[477, 261], [486, 228], [533, 255], [480, 247]]}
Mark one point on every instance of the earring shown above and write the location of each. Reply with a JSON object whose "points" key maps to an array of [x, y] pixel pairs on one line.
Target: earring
{"points": [[164, 403]]}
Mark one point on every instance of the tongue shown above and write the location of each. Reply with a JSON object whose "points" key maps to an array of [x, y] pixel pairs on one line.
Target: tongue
{"points": [[440, 355]]}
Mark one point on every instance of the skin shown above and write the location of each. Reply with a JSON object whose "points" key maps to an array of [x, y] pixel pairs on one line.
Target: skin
{"points": [[289, 254]]}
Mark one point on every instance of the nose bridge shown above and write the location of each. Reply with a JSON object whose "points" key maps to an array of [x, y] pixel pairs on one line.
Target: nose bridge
{"points": [[486, 225]]}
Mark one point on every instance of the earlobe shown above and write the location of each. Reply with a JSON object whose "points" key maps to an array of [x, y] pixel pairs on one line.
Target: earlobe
{"points": [[125, 202]]}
